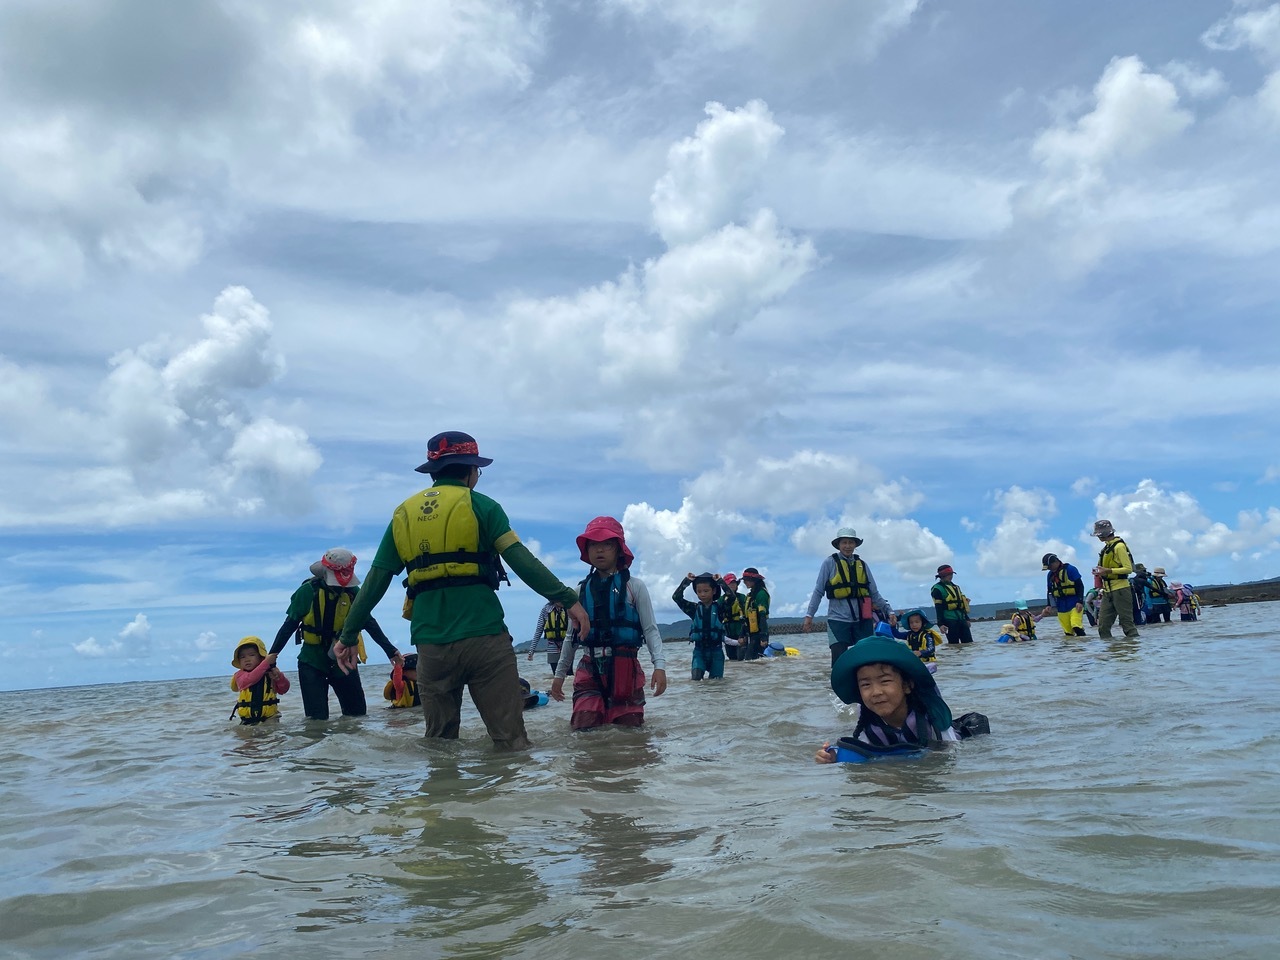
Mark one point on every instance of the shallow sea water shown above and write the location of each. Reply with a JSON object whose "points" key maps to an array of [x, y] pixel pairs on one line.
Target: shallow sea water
{"points": [[1126, 805]]}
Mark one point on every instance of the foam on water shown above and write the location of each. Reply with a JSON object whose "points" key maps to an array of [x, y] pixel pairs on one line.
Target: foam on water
{"points": [[1123, 807]]}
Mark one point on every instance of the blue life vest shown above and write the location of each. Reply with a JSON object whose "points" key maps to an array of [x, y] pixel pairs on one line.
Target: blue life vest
{"points": [[707, 630], [617, 623]]}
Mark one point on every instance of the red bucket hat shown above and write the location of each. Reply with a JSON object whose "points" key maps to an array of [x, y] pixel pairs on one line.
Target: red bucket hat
{"points": [[599, 530], [944, 569]]}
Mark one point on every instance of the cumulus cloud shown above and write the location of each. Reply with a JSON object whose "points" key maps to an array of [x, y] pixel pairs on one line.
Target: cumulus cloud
{"points": [[173, 432], [133, 641], [1199, 83], [1018, 542], [781, 499], [704, 184], [662, 332], [1255, 29], [1169, 526], [119, 154]]}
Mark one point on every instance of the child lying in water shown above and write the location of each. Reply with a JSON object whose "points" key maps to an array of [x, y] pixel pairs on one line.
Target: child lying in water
{"points": [[897, 697]]}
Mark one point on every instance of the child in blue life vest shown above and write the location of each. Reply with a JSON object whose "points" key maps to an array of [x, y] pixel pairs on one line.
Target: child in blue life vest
{"points": [[257, 681], [707, 631], [898, 700], [609, 683], [402, 688]]}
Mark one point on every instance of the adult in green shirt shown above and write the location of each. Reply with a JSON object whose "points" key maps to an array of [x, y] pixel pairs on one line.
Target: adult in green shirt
{"points": [[449, 538]]}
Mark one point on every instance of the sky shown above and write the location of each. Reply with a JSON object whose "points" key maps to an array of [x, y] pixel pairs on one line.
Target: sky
{"points": [[964, 276]]}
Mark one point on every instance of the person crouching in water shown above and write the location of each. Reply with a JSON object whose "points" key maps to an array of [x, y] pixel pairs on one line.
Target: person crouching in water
{"points": [[258, 682], [608, 685], [898, 700], [756, 607], [1065, 590], [733, 617], [707, 632], [1024, 621], [402, 688]]}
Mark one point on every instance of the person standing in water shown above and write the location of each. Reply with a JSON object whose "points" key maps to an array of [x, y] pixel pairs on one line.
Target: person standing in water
{"points": [[608, 686], [1115, 564], [852, 597], [1065, 589], [950, 606], [450, 538]]}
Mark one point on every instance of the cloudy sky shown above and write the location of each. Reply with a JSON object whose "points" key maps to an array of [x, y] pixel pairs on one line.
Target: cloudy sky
{"points": [[962, 275]]}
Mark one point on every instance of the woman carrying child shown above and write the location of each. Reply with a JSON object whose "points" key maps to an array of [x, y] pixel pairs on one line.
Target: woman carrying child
{"points": [[608, 685], [898, 700], [707, 631]]}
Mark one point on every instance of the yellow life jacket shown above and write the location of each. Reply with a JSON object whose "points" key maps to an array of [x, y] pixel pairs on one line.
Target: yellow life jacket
{"points": [[258, 702], [556, 626], [846, 582], [407, 699], [955, 600], [437, 536], [1060, 584], [1107, 558], [754, 613], [329, 608], [1023, 622]]}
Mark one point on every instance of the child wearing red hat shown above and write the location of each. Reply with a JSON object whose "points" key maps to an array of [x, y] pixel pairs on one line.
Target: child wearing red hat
{"points": [[608, 685]]}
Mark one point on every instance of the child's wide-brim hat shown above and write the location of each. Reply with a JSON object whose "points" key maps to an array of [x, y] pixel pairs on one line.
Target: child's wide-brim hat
{"points": [[248, 642], [599, 530], [917, 612], [844, 676], [707, 578]]}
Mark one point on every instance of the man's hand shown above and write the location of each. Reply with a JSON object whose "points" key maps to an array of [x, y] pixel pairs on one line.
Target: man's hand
{"points": [[578, 614]]}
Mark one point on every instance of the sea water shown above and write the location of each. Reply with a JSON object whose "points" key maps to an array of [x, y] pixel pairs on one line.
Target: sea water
{"points": [[1125, 805]]}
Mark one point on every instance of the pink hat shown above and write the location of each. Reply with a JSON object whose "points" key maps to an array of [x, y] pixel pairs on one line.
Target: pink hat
{"points": [[601, 529], [729, 578]]}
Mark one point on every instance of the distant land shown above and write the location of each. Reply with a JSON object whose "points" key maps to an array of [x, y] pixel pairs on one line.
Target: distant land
{"points": [[1254, 591]]}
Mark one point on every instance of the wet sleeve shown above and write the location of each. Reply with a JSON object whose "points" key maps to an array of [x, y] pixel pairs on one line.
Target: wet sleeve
{"points": [[281, 681], [371, 591], [644, 609], [819, 590], [287, 630], [536, 576]]}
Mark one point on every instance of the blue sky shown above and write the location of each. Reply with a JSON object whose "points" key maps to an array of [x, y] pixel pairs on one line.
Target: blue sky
{"points": [[964, 276]]}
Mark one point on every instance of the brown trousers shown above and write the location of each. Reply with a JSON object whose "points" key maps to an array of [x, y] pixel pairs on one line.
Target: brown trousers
{"points": [[487, 667], [1116, 603]]}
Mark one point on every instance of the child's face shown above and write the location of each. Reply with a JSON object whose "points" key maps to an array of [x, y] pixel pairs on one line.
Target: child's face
{"points": [[705, 591], [248, 658], [410, 673], [884, 690], [603, 555], [915, 623]]}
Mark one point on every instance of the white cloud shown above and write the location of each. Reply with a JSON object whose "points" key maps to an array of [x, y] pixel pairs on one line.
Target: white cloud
{"points": [[1196, 82], [1017, 543], [1083, 486], [133, 641], [1167, 526], [710, 174], [1258, 30], [807, 36], [1271, 474], [172, 432]]}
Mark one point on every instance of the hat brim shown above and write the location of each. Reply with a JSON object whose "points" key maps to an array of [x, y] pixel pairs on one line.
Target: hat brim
{"points": [[857, 542], [466, 459], [318, 569], [844, 675]]}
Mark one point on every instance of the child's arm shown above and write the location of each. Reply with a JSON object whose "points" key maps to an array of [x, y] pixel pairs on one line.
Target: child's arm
{"points": [[279, 681], [687, 607], [247, 678], [397, 680], [382, 640], [538, 630], [899, 634], [652, 636]]}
